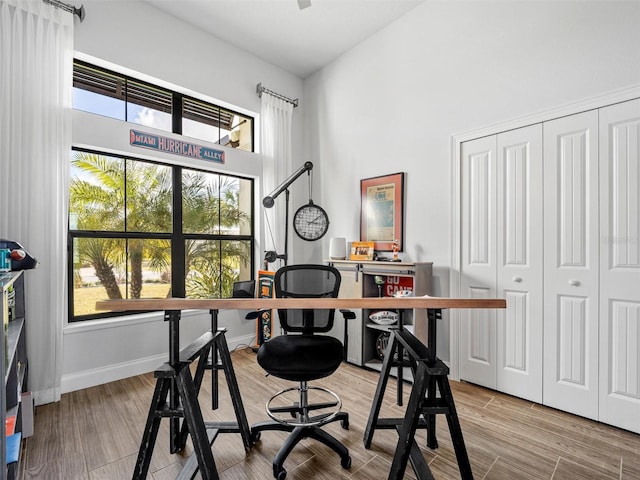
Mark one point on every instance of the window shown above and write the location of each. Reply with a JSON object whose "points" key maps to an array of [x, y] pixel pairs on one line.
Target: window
{"points": [[141, 229], [215, 124], [118, 96]]}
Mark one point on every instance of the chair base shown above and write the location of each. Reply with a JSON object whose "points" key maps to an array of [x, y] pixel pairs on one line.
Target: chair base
{"points": [[299, 433]]}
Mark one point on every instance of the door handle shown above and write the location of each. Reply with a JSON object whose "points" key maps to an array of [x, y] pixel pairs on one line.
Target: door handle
{"points": [[574, 283], [517, 279]]}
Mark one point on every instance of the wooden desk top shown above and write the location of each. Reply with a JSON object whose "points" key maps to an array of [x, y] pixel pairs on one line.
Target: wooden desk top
{"points": [[274, 303]]}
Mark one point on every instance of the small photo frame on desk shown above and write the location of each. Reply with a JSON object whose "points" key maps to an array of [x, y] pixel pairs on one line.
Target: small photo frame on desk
{"points": [[361, 251], [382, 211]]}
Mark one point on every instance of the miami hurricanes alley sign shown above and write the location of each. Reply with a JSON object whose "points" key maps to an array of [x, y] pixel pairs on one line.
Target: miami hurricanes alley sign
{"points": [[177, 147]]}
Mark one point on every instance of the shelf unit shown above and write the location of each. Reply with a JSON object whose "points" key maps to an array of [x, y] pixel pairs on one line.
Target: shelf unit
{"points": [[13, 362], [359, 281]]}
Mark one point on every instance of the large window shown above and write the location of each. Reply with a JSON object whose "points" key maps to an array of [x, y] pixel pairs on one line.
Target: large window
{"points": [[101, 91], [141, 229]]}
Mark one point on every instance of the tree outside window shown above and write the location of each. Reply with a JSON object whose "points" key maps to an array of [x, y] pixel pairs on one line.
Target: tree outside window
{"points": [[124, 231]]}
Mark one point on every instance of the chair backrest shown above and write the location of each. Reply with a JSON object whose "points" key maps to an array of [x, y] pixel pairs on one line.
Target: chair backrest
{"points": [[307, 281]]}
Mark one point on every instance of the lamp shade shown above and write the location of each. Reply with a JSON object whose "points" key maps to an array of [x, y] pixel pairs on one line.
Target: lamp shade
{"points": [[338, 248]]}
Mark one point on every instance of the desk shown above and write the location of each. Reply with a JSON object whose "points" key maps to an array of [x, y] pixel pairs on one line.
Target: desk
{"points": [[382, 303], [425, 361]]}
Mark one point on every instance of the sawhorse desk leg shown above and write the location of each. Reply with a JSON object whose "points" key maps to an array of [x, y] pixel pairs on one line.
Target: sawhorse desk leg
{"points": [[179, 377], [175, 384], [393, 349], [429, 373], [428, 406]]}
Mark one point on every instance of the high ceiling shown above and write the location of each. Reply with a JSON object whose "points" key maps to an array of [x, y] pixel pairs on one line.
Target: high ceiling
{"points": [[297, 40]]}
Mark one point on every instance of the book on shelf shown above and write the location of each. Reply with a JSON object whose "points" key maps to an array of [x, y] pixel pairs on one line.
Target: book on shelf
{"points": [[27, 414], [13, 447], [9, 425]]}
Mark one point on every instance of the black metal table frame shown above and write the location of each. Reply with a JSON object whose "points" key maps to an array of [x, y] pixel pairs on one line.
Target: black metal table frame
{"points": [[175, 383], [430, 375]]}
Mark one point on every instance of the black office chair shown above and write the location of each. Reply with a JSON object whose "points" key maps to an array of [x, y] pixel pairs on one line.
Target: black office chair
{"points": [[300, 355]]}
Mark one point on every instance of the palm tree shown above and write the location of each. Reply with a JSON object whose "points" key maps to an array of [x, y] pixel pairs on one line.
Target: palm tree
{"points": [[105, 185], [98, 196], [148, 197], [102, 254], [211, 206], [98, 205]]}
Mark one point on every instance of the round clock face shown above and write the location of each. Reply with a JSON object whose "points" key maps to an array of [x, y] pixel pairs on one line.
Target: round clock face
{"points": [[310, 222]]}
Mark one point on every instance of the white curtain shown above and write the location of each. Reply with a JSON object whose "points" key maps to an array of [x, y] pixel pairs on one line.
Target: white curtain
{"points": [[36, 62], [275, 138]]}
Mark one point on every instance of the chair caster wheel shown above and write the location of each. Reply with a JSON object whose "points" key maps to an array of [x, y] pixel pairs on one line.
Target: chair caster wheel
{"points": [[279, 474], [345, 462], [344, 424], [255, 437]]}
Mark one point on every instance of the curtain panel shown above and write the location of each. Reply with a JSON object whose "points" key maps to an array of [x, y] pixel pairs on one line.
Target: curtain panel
{"points": [[36, 61], [275, 134]]}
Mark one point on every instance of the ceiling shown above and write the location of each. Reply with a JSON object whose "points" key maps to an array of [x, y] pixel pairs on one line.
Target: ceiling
{"points": [[299, 41]]}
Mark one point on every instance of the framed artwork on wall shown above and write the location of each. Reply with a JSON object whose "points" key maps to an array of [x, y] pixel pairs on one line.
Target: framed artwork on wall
{"points": [[382, 211]]}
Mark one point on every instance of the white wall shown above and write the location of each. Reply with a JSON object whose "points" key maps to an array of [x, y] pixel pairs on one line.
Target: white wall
{"points": [[152, 46], [392, 103]]}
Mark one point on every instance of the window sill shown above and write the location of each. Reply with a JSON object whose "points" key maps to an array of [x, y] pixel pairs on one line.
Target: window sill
{"points": [[121, 321]]}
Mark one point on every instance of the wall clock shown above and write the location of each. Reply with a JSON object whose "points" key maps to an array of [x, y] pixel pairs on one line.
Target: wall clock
{"points": [[310, 222]]}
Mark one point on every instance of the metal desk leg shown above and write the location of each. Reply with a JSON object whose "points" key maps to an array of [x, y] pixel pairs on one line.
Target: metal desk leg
{"points": [[151, 429], [400, 363], [176, 398], [407, 430], [195, 422], [374, 413], [175, 438], [215, 363], [433, 315]]}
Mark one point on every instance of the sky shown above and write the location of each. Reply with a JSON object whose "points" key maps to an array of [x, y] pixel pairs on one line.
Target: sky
{"points": [[114, 108]]}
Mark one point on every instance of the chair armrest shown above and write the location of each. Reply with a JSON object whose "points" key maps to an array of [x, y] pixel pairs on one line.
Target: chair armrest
{"points": [[347, 314], [253, 314]]}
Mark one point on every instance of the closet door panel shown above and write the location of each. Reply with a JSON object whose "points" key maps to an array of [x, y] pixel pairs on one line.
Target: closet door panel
{"points": [[519, 262], [478, 328], [620, 265], [571, 243]]}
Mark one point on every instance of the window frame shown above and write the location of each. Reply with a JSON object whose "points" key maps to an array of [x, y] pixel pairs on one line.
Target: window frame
{"points": [[176, 236], [174, 106]]}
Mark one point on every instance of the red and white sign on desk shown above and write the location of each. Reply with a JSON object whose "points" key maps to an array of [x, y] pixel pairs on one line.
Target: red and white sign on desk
{"points": [[394, 283]]}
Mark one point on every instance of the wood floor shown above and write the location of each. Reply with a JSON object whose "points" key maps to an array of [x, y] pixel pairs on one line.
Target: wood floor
{"points": [[95, 434]]}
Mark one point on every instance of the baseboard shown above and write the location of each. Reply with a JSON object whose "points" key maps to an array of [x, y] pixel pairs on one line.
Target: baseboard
{"points": [[111, 373]]}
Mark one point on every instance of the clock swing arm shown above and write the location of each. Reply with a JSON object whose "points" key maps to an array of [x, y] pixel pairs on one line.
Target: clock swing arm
{"points": [[269, 201]]}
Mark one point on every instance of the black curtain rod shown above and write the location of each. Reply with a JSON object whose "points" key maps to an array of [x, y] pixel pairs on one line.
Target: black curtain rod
{"points": [[67, 8], [260, 89]]}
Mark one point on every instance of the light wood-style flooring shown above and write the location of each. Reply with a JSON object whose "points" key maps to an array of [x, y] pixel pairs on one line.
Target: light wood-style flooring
{"points": [[95, 434]]}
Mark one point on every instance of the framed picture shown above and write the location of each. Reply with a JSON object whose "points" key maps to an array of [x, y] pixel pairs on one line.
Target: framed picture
{"points": [[382, 211], [361, 251]]}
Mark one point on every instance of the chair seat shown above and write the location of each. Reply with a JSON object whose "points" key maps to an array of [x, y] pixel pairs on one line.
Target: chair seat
{"points": [[300, 357]]}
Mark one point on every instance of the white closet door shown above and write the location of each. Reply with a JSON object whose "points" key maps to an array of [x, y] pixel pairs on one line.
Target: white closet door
{"points": [[571, 264], [478, 270], [519, 262], [620, 265]]}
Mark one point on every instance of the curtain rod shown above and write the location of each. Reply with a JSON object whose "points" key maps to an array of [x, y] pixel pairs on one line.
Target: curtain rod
{"points": [[68, 8], [260, 89]]}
